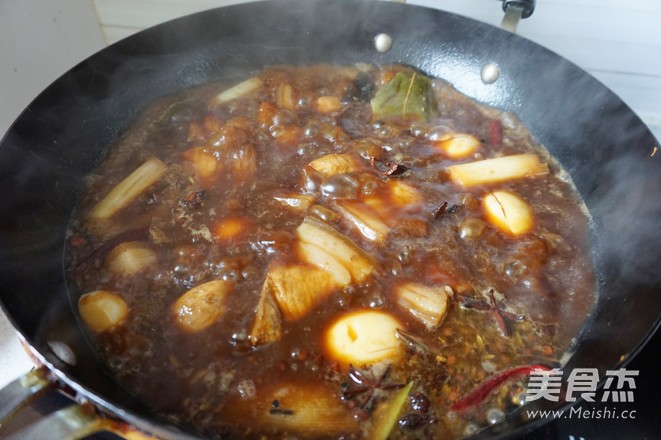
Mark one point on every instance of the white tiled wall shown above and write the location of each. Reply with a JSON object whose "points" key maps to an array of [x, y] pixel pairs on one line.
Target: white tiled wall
{"points": [[39, 41], [121, 18]]}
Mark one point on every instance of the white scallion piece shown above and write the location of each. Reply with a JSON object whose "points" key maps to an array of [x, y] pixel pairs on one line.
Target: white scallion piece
{"points": [[364, 219], [348, 253], [427, 304], [129, 189], [318, 257], [239, 90], [299, 289], [497, 170]]}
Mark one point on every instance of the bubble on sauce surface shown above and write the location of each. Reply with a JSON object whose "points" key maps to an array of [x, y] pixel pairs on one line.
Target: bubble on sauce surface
{"points": [[471, 429], [340, 186], [495, 416]]}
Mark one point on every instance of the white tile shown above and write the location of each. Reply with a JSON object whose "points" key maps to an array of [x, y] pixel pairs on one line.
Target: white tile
{"points": [[147, 13], [39, 41], [14, 362], [113, 34], [641, 92]]}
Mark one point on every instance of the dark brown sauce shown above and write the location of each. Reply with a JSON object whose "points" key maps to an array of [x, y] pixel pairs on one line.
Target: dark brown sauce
{"points": [[217, 381]]}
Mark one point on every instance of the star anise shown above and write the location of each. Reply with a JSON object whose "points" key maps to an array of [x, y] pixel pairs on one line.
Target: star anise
{"points": [[364, 390], [194, 199], [497, 308]]}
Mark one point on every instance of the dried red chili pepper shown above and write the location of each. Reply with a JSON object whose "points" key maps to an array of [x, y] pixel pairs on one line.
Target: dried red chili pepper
{"points": [[482, 391], [495, 133]]}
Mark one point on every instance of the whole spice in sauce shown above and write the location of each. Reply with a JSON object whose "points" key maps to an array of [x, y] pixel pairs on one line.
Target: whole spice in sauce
{"points": [[362, 388], [389, 168], [495, 307], [194, 199], [396, 169], [414, 421], [420, 402], [444, 208]]}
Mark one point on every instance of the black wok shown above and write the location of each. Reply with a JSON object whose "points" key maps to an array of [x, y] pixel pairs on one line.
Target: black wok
{"points": [[64, 133]]}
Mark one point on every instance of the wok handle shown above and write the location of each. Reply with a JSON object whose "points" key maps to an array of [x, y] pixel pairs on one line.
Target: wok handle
{"points": [[22, 392], [515, 10], [72, 422], [527, 6]]}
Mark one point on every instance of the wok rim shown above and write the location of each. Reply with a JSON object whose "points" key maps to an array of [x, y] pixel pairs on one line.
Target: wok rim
{"points": [[148, 424]]}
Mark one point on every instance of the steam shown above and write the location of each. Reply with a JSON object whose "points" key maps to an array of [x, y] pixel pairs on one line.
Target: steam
{"points": [[627, 212]]}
